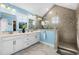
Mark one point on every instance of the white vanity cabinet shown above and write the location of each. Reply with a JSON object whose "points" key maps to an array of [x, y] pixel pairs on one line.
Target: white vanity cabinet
{"points": [[30, 39], [12, 44], [18, 43], [6, 46], [33, 38]]}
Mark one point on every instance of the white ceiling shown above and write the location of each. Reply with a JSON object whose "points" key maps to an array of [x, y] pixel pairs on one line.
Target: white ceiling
{"points": [[68, 5], [41, 8], [35, 8]]}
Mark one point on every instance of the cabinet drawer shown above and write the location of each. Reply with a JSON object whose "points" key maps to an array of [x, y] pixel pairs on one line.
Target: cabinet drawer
{"points": [[27, 44], [26, 40]]}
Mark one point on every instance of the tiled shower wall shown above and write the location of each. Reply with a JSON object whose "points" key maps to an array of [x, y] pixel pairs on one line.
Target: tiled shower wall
{"points": [[67, 23], [77, 13]]}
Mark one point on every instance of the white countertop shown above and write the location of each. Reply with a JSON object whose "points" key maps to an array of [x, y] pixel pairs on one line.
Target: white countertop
{"points": [[16, 33]]}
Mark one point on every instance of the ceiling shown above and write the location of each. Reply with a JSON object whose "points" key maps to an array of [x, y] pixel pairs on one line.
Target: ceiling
{"points": [[35, 8], [68, 5], [41, 8]]}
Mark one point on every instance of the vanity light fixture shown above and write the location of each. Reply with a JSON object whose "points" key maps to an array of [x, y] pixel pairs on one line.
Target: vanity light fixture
{"points": [[43, 23], [47, 21], [40, 19], [34, 16], [50, 12], [24, 16], [13, 10], [30, 16], [34, 22], [3, 6], [8, 8]]}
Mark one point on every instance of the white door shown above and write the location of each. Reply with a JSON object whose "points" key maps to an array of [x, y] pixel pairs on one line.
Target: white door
{"points": [[7, 47]]}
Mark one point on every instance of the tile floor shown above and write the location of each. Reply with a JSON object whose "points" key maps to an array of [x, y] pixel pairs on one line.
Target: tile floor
{"points": [[37, 49]]}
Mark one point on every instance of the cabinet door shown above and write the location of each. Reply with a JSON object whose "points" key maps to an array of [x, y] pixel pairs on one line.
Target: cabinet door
{"points": [[50, 37], [26, 41], [30, 39], [37, 37], [33, 38], [7, 47], [43, 36], [18, 44]]}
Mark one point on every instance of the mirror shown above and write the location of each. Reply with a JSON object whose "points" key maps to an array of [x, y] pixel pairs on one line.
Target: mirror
{"points": [[3, 24], [32, 24]]}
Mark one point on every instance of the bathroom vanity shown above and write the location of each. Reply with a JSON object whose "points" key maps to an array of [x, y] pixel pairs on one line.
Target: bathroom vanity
{"points": [[11, 43]]}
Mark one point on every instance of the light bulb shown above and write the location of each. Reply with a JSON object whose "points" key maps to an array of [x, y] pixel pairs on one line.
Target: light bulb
{"points": [[43, 23], [39, 18], [50, 12], [8, 8], [3, 6], [13, 10]]}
